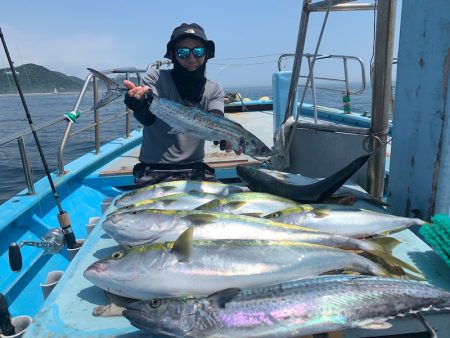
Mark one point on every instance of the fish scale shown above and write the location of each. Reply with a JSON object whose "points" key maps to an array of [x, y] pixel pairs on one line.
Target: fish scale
{"points": [[302, 307]]}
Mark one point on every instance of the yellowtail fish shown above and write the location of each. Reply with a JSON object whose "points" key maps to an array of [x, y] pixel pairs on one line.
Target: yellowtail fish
{"points": [[296, 308], [344, 220], [181, 201], [248, 203], [149, 226], [188, 267], [175, 187], [207, 126]]}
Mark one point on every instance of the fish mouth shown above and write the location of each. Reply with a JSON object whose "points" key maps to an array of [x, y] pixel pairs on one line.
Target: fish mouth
{"points": [[95, 269], [137, 319]]}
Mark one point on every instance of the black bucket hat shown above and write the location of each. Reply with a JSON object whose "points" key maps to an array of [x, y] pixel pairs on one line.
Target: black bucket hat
{"points": [[190, 30]]}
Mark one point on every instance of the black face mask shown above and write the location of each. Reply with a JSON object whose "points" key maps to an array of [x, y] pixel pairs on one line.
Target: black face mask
{"points": [[190, 84]]}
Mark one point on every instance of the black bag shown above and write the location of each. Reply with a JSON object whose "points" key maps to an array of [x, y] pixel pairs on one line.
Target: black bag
{"points": [[149, 174]]}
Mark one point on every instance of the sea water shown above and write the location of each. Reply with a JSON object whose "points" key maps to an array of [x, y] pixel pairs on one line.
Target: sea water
{"points": [[49, 107]]}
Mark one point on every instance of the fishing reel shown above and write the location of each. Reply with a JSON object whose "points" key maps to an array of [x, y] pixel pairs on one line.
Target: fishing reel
{"points": [[52, 242]]}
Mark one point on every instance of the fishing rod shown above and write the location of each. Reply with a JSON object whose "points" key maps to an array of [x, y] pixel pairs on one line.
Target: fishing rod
{"points": [[15, 256]]}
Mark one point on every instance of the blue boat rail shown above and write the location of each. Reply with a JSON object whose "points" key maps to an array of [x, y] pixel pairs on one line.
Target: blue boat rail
{"points": [[97, 122]]}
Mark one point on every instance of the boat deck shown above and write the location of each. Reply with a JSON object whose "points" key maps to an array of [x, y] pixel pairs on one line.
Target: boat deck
{"points": [[67, 312]]}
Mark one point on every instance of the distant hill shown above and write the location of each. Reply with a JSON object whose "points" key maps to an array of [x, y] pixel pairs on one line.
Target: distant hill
{"points": [[38, 79]]}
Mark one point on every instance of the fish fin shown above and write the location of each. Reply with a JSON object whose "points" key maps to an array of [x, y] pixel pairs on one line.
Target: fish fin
{"points": [[200, 219], [376, 326], [393, 264], [220, 298], [415, 277], [174, 131], [167, 188], [253, 214], [182, 247], [388, 243], [321, 212], [235, 204]]}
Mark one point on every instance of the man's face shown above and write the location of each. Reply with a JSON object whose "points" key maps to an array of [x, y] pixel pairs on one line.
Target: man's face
{"points": [[192, 62]]}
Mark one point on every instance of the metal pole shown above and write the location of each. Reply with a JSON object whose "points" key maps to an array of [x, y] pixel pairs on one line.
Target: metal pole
{"points": [[26, 166], [128, 116], [291, 104], [96, 116], [385, 29]]}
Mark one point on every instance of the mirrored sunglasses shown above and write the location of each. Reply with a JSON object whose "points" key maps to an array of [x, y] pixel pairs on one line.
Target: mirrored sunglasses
{"points": [[184, 52]]}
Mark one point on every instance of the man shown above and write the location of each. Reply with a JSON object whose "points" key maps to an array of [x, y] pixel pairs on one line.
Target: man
{"points": [[166, 156]]}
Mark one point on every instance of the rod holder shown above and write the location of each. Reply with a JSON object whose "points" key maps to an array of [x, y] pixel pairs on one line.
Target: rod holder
{"points": [[52, 279]]}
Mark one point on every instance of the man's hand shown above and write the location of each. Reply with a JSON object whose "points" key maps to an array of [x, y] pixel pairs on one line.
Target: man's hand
{"points": [[225, 145], [137, 97]]}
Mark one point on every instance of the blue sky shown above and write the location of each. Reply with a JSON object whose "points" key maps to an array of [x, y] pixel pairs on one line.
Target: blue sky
{"points": [[68, 36]]}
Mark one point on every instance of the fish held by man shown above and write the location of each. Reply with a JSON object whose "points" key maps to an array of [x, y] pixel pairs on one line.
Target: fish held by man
{"points": [[188, 267], [296, 308], [193, 121]]}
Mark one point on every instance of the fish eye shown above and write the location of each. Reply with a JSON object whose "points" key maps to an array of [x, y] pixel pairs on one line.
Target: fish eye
{"points": [[155, 303], [118, 255]]}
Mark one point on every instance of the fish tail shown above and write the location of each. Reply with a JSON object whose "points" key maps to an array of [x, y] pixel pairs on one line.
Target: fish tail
{"points": [[391, 263], [386, 244]]}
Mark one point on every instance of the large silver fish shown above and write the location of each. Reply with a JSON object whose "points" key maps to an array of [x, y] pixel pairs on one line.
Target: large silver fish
{"points": [[248, 203], [344, 220], [207, 126], [175, 187], [188, 267], [297, 308], [193, 121], [149, 226], [181, 201]]}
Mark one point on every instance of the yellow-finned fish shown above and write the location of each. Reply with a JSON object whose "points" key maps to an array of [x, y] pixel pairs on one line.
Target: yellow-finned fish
{"points": [[187, 267], [344, 220], [175, 187], [248, 203]]}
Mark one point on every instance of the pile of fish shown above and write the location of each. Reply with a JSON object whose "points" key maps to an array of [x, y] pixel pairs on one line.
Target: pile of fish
{"points": [[197, 255]]}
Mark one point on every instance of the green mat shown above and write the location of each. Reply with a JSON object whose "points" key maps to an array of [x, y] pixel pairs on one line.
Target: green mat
{"points": [[437, 235]]}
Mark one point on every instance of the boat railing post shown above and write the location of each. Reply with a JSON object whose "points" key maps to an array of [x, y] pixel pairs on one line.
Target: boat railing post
{"points": [[291, 104], [347, 105], [313, 87], [96, 116], [384, 47], [26, 166], [128, 114], [69, 126]]}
